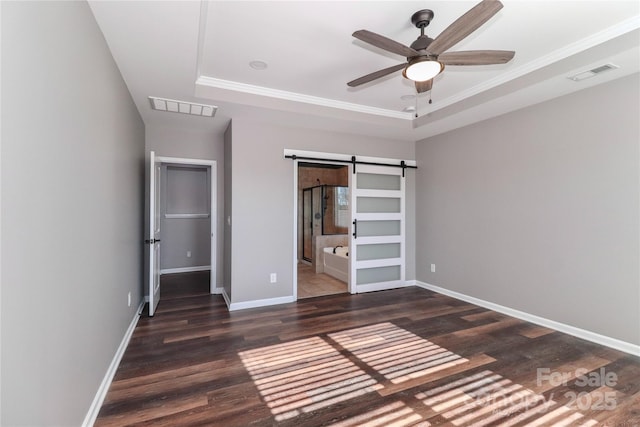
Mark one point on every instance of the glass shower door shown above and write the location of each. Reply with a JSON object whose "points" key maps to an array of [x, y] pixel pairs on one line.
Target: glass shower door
{"points": [[377, 248]]}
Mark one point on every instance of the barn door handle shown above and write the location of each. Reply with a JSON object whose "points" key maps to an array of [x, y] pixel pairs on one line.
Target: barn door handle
{"points": [[355, 228]]}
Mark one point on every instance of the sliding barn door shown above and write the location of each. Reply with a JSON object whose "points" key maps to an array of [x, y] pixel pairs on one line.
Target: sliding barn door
{"points": [[377, 246]]}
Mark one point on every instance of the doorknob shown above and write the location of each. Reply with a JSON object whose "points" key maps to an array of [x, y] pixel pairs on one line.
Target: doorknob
{"points": [[151, 241]]}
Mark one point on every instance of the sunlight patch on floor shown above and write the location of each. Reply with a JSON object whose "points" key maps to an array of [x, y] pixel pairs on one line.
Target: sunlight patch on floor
{"points": [[304, 375], [396, 414], [397, 354], [486, 397], [309, 374]]}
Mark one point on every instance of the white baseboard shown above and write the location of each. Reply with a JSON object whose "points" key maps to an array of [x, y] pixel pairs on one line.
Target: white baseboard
{"points": [[284, 300], [552, 324], [185, 269], [216, 291], [257, 303], [227, 299], [94, 409]]}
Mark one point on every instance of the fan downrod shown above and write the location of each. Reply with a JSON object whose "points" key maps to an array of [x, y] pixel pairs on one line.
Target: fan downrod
{"points": [[422, 18]]}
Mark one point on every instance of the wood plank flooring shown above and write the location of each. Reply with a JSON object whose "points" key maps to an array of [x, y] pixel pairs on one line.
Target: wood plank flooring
{"points": [[393, 358]]}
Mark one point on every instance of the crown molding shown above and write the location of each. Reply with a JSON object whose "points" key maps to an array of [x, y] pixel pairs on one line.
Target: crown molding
{"points": [[298, 97]]}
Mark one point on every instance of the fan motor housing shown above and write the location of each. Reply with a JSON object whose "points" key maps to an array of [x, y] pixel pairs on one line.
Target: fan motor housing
{"points": [[422, 18], [421, 43]]}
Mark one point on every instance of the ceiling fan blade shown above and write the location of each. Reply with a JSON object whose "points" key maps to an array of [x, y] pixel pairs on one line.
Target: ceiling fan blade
{"points": [[424, 86], [476, 57], [375, 75], [385, 43], [465, 25]]}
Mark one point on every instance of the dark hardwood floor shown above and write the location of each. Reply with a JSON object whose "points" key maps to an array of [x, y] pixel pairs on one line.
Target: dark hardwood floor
{"points": [[392, 358], [180, 285]]}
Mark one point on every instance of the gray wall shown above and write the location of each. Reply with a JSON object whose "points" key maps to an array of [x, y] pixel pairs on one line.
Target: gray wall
{"points": [[192, 144], [262, 200], [538, 210], [185, 190], [72, 180]]}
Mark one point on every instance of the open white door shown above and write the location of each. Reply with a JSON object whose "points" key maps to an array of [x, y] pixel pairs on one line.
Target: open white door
{"points": [[154, 234], [377, 245]]}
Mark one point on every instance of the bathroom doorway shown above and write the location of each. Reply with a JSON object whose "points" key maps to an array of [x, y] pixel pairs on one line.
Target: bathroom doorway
{"points": [[323, 224]]}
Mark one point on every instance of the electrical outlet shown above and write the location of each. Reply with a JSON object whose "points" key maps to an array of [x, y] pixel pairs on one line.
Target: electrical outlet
{"points": [[129, 299], [188, 254], [273, 278], [433, 268]]}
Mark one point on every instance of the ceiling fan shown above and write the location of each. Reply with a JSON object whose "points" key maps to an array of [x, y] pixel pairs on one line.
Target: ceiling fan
{"points": [[426, 57]]}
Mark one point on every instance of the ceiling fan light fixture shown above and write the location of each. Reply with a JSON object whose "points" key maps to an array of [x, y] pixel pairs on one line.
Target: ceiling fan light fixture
{"points": [[423, 69], [426, 57]]}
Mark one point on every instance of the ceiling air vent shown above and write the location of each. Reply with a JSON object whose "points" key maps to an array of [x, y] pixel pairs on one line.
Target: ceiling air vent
{"points": [[184, 107], [583, 75]]}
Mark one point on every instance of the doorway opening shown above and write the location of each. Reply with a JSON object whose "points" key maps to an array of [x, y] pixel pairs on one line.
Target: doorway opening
{"points": [[182, 228], [375, 246], [323, 227], [185, 217]]}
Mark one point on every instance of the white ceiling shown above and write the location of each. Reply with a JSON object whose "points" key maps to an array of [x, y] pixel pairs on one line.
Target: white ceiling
{"points": [[200, 51]]}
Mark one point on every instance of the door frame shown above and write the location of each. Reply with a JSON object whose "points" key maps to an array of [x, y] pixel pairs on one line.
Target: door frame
{"points": [[212, 164], [327, 159]]}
